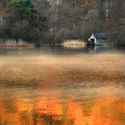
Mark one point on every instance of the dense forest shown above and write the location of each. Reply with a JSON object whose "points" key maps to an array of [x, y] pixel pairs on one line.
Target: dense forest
{"points": [[48, 21]]}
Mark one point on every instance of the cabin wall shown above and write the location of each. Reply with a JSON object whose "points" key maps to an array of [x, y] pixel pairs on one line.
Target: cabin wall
{"points": [[101, 40], [91, 38], [106, 42]]}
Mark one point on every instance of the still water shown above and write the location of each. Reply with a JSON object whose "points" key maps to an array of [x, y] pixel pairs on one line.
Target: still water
{"points": [[62, 86]]}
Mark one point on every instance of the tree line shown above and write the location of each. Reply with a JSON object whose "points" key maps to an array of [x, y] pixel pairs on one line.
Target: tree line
{"points": [[48, 21]]}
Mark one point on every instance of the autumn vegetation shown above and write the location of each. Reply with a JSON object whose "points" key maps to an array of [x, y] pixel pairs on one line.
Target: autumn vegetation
{"points": [[77, 76], [47, 22]]}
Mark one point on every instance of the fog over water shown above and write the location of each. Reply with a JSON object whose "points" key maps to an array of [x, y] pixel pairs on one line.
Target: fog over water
{"points": [[50, 81], [60, 67]]}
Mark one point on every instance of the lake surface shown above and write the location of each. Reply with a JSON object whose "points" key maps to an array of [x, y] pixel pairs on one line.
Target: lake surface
{"points": [[62, 86]]}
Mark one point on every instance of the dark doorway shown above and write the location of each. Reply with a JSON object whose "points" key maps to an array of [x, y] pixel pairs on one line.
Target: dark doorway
{"points": [[93, 42]]}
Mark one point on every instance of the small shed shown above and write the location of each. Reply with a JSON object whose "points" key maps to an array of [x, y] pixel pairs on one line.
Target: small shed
{"points": [[97, 38]]}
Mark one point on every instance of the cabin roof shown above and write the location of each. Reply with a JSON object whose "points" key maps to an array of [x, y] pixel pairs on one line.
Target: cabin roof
{"points": [[100, 35]]}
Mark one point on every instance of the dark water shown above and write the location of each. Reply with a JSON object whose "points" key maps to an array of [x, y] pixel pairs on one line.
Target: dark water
{"points": [[60, 50], [62, 86]]}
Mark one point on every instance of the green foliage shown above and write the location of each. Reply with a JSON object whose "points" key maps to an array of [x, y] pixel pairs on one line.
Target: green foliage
{"points": [[23, 22], [25, 7]]}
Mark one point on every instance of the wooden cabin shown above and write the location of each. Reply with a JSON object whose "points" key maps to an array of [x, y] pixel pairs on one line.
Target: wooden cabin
{"points": [[98, 39]]}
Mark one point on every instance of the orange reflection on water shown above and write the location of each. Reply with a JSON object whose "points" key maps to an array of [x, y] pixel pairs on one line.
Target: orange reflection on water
{"points": [[3, 112], [74, 111], [48, 107], [49, 111], [105, 112]]}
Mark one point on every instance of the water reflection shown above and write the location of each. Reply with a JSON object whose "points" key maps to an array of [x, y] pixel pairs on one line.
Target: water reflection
{"points": [[60, 86], [74, 46], [61, 50], [92, 49], [99, 111]]}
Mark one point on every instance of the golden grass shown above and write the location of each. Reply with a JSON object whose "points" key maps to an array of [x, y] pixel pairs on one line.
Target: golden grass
{"points": [[73, 44]]}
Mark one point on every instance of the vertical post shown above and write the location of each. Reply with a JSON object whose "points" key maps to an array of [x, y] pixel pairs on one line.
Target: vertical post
{"points": [[106, 10]]}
